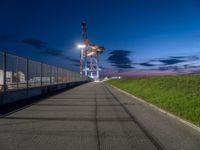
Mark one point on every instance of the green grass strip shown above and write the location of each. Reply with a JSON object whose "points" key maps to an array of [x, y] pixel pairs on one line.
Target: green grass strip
{"points": [[179, 95]]}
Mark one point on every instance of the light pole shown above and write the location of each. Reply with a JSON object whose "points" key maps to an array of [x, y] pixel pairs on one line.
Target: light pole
{"points": [[81, 47]]}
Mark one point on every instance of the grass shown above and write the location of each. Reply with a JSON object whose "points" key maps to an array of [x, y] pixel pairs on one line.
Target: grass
{"points": [[179, 95]]}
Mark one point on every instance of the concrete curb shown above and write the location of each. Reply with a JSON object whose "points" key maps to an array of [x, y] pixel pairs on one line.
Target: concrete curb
{"points": [[159, 109]]}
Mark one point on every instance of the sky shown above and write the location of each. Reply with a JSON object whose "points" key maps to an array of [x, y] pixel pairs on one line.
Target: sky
{"points": [[137, 34]]}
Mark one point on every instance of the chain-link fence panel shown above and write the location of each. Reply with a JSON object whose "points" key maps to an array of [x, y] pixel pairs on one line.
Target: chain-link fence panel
{"points": [[46, 74], [54, 75], [59, 75], [1, 71], [34, 73], [23, 73]]}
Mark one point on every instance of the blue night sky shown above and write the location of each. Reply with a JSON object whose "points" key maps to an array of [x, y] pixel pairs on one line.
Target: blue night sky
{"points": [[137, 34]]}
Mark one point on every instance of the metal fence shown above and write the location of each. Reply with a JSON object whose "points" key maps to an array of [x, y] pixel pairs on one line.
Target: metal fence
{"points": [[20, 73]]}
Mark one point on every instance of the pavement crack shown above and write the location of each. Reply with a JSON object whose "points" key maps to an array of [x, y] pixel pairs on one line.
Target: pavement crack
{"points": [[151, 138], [96, 119]]}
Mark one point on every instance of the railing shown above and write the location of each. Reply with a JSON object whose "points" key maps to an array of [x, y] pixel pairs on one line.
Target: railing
{"points": [[21, 73]]}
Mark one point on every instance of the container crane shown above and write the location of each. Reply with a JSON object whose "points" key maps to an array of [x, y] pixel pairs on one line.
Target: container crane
{"points": [[89, 57]]}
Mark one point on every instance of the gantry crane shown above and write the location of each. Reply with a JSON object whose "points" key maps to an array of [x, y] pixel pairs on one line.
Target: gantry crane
{"points": [[89, 57]]}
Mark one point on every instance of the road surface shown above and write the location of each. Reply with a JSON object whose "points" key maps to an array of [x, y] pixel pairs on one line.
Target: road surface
{"points": [[94, 116]]}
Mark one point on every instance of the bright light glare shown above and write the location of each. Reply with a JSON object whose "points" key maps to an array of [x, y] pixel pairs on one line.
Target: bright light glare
{"points": [[81, 46]]}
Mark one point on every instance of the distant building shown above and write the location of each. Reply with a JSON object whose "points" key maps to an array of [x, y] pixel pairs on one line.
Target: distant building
{"points": [[1, 80], [9, 78], [12, 77], [117, 77], [21, 77], [45, 79]]}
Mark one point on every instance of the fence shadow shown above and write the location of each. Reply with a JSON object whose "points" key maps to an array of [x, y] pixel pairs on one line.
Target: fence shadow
{"points": [[13, 107]]}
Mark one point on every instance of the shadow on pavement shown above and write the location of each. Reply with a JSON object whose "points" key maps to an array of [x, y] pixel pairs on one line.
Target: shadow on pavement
{"points": [[22, 104]]}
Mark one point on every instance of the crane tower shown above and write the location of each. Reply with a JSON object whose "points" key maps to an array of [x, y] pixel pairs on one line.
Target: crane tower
{"points": [[89, 57]]}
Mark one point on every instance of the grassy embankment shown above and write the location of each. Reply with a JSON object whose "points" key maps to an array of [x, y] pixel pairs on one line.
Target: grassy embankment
{"points": [[179, 95]]}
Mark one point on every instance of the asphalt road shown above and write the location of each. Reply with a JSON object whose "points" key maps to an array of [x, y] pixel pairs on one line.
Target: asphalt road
{"points": [[94, 116]]}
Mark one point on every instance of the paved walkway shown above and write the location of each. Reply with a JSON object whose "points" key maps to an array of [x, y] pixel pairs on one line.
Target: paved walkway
{"points": [[94, 116]]}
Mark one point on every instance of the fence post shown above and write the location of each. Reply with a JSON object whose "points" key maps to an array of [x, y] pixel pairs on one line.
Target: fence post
{"points": [[17, 73], [41, 74], [57, 74], [50, 75], [27, 72], [62, 75], [4, 71]]}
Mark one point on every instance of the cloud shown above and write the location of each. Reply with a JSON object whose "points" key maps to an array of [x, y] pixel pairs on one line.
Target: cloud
{"points": [[147, 64], [120, 59], [7, 38], [53, 52], [122, 66], [72, 59], [185, 57], [60, 53], [164, 68], [76, 65], [178, 59], [171, 61], [102, 67], [39, 44]]}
